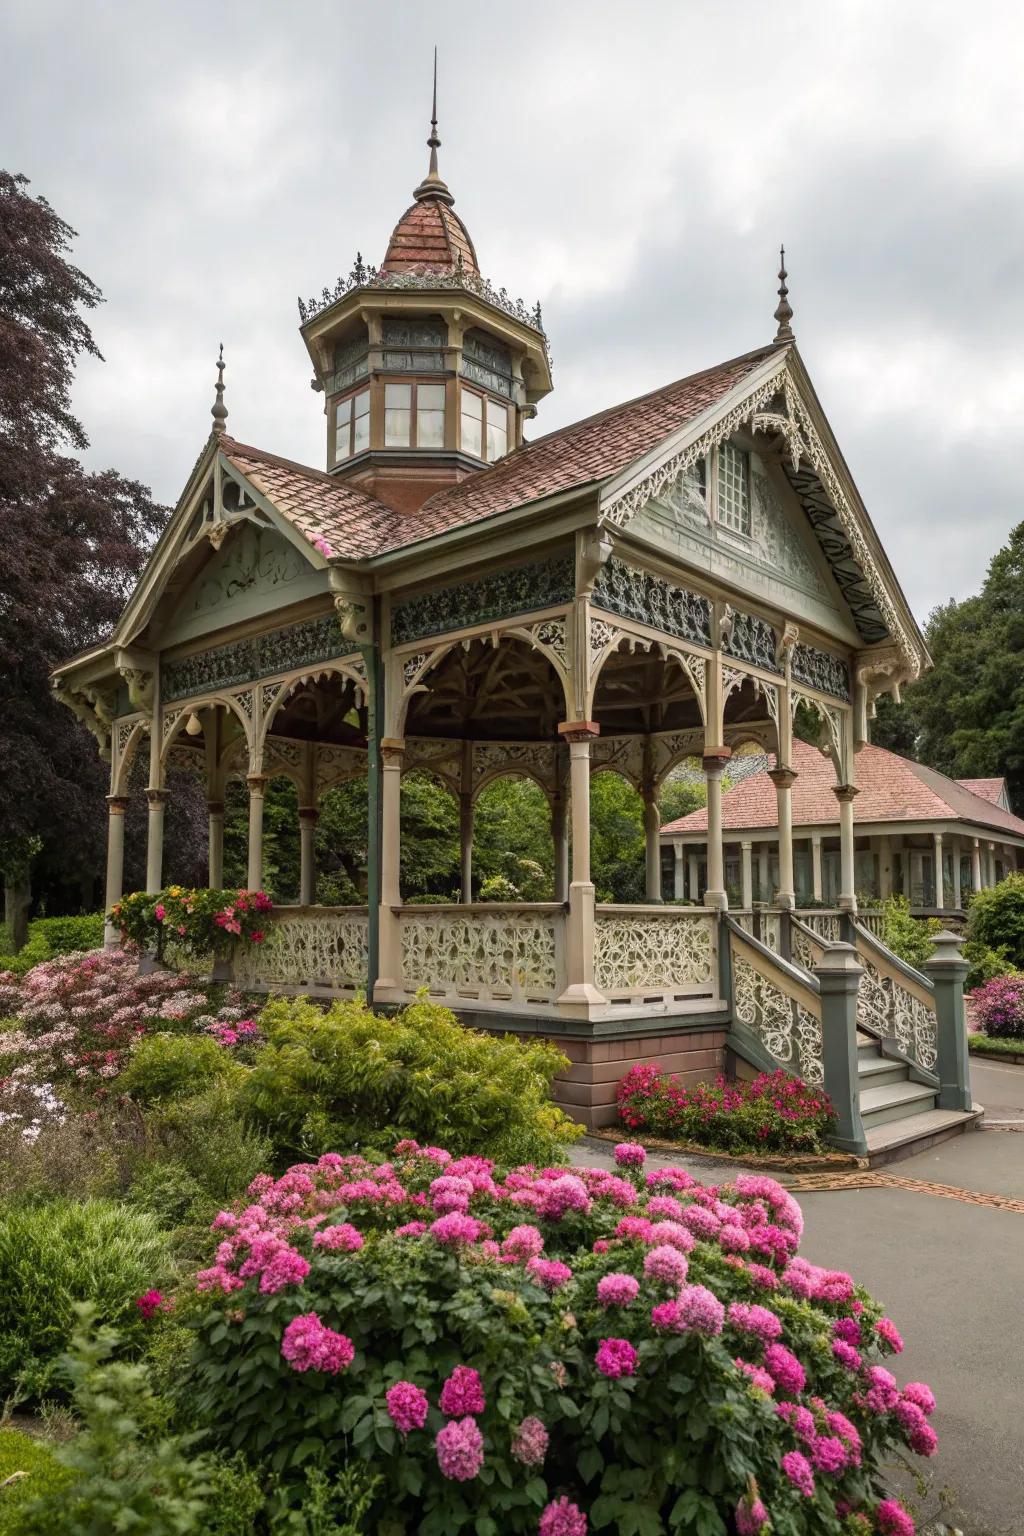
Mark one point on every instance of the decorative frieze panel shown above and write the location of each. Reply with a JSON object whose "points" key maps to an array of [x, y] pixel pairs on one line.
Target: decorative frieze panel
{"points": [[242, 661], [624, 754], [335, 765], [649, 599], [533, 760], [443, 758], [499, 595], [820, 670], [750, 639]]}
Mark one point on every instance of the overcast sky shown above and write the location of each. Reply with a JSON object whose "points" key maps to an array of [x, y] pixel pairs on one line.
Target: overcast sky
{"points": [[632, 166]]}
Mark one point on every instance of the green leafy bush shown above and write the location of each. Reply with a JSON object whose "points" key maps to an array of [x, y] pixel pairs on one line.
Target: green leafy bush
{"points": [[996, 919], [908, 937], [168, 1066], [28, 1471], [52, 1256], [986, 964], [345, 1076], [994, 1043], [774, 1112], [49, 936]]}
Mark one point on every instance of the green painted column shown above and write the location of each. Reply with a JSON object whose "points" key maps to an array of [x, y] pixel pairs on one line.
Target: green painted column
{"points": [[374, 729], [946, 971], [838, 975]]}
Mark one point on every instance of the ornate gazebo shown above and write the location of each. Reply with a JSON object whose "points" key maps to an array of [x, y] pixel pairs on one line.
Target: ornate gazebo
{"points": [[669, 578]]}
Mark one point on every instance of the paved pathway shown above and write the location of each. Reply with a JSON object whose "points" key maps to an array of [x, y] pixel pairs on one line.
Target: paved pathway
{"points": [[949, 1268]]}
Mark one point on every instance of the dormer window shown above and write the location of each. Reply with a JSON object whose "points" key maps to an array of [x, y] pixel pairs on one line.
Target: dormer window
{"points": [[352, 426], [484, 421], [733, 488]]}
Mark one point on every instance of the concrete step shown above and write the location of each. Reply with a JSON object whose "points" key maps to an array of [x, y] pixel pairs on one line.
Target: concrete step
{"points": [[890, 1142], [873, 1071], [894, 1101]]}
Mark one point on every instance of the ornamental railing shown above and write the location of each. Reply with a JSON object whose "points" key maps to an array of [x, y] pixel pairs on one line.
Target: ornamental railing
{"points": [[645, 954], [363, 275], [511, 955], [896, 1003], [308, 949], [777, 1003]]}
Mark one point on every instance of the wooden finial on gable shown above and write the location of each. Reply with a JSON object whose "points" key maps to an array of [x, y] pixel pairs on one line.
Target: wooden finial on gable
{"points": [[784, 313], [219, 410]]}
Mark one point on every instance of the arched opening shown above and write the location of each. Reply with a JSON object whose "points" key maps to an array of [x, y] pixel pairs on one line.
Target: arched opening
{"points": [[513, 848], [481, 690], [430, 839], [617, 838]]}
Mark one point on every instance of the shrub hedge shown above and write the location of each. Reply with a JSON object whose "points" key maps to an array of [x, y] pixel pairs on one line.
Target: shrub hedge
{"points": [[773, 1113]]}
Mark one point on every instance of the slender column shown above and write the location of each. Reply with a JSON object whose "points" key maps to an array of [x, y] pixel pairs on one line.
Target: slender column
{"points": [[652, 836], [975, 865], [693, 865], [747, 875], [845, 794], [392, 751], [116, 807], [308, 818], [816, 884], [784, 779], [215, 843], [763, 872], [958, 894], [678, 871], [714, 766], [938, 871], [560, 839], [991, 860], [257, 783], [466, 845], [580, 992], [883, 856], [157, 799]]}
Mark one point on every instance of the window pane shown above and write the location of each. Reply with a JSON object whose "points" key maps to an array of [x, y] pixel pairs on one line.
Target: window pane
{"points": [[397, 415], [430, 415], [343, 430], [472, 426], [361, 426], [497, 431], [733, 494]]}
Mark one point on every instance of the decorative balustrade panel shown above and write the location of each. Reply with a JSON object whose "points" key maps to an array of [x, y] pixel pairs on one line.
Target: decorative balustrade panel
{"points": [[874, 922], [771, 931], [788, 1031], [888, 1008], [827, 925], [636, 951], [309, 949], [507, 953], [805, 950]]}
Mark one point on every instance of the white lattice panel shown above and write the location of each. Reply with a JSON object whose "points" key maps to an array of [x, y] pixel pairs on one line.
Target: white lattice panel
{"points": [[504, 954], [315, 949], [640, 952], [789, 1032]]}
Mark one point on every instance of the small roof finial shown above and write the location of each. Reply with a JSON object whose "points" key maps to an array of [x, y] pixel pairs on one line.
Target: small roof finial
{"points": [[784, 313], [219, 410], [432, 185]]}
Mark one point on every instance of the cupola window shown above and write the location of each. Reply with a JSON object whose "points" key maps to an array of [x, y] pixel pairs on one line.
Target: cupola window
{"points": [[733, 488], [430, 415], [484, 421], [352, 426], [406, 403]]}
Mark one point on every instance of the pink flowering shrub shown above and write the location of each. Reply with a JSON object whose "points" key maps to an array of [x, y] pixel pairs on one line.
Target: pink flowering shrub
{"points": [[558, 1350], [773, 1113], [198, 922], [998, 1007]]}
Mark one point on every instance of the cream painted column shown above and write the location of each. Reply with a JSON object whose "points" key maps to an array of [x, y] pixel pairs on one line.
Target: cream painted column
{"points": [[816, 884], [784, 779], [157, 799], [957, 892], [678, 871], [975, 865], [560, 839], [116, 807], [714, 767], [938, 871], [580, 992], [257, 783], [215, 844], [763, 872], [883, 856], [845, 794], [990, 849], [308, 818], [747, 875], [693, 867], [466, 845], [392, 751], [652, 840]]}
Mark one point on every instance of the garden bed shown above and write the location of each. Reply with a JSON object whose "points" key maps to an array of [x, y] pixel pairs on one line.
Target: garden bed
{"points": [[771, 1162], [994, 1049]]}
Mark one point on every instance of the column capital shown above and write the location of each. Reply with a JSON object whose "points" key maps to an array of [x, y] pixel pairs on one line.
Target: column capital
{"points": [[257, 782], [747, 845], [715, 759], [578, 730], [309, 814], [117, 804], [215, 807], [157, 796], [782, 778], [845, 793], [392, 748], [936, 837]]}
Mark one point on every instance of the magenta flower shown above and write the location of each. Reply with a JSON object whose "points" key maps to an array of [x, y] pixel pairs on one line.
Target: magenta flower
{"points": [[889, 1334], [917, 1392], [829, 1454], [287, 1267], [759, 1377], [800, 1472], [562, 1518], [340, 1239], [759, 1321], [462, 1393], [153, 1301], [846, 1354], [630, 1154], [617, 1290], [781, 1363], [615, 1358], [665, 1264], [308, 1346], [460, 1449], [701, 1311], [751, 1517], [893, 1519], [530, 1442], [407, 1405], [456, 1230], [523, 1243], [847, 1329], [550, 1273]]}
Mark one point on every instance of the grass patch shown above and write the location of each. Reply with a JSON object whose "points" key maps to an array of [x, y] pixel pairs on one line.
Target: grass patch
{"points": [[992, 1045]]}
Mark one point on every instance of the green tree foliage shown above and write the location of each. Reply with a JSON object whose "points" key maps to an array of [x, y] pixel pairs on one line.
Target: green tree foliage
{"points": [[996, 920]]}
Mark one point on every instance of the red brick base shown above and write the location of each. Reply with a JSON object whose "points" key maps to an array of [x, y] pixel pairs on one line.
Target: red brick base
{"points": [[587, 1090]]}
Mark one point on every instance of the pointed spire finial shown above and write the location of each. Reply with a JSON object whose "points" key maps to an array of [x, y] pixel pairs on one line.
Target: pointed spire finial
{"points": [[219, 410], [784, 313], [432, 185]]}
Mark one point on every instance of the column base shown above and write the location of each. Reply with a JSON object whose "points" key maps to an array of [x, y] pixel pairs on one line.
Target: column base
{"points": [[581, 997], [847, 903], [718, 899], [786, 899]]}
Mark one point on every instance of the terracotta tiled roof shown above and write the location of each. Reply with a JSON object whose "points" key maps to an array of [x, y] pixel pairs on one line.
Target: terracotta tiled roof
{"points": [[988, 789], [321, 507], [892, 788], [429, 234], [571, 457]]}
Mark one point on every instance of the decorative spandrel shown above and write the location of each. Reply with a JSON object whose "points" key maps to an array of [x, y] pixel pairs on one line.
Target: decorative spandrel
{"points": [[648, 599], [242, 661], [501, 595]]}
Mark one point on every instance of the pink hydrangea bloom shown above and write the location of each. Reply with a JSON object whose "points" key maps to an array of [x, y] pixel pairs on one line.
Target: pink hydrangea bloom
{"points": [[615, 1358], [751, 1517], [883, 1394], [562, 1518], [617, 1290], [664, 1208], [637, 1227], [829, 1455], [760, 1274], [152, 1301], [411, 1229], [456, 1230], [665, 1264], [462, 1393], [847, 1329], [560, 1196], [758, 1375], [917, 1392], [893, 1519], [629, 1154], [523, 1243], [450, 1193], [343, 1238], [407, 1405], [550, 1273], [530, 1442], [287, 1267], [890, 1334], [800, 1472], [673, 1233], [702, 1223], [846, 1354], [781, 1363], [759, 1321], [460, 1449], [308, 1346], [701, 1311], [840, 1425]]}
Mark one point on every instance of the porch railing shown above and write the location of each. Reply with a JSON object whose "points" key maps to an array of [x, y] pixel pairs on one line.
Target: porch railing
{"points": [[483, 952], [308, 949], [655, 954], [777, 1004]]}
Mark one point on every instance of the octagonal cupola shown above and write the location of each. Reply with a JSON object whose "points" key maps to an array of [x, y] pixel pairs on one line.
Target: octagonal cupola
{"points": [[428, 371]]}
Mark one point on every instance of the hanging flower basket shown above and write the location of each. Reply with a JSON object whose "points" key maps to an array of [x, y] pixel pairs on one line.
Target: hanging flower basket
{"points": [[198, 922]]}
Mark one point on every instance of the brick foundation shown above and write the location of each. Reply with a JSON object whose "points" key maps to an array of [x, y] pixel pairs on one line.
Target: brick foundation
{"points": [[587, 1090]]}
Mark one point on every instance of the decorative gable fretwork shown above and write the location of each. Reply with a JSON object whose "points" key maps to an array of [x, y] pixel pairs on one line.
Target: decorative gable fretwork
{"points": [[499, 595], [241, 661]]}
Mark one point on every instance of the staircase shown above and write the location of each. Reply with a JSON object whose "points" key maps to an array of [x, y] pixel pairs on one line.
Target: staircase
{"points": [[898, 1113]]}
